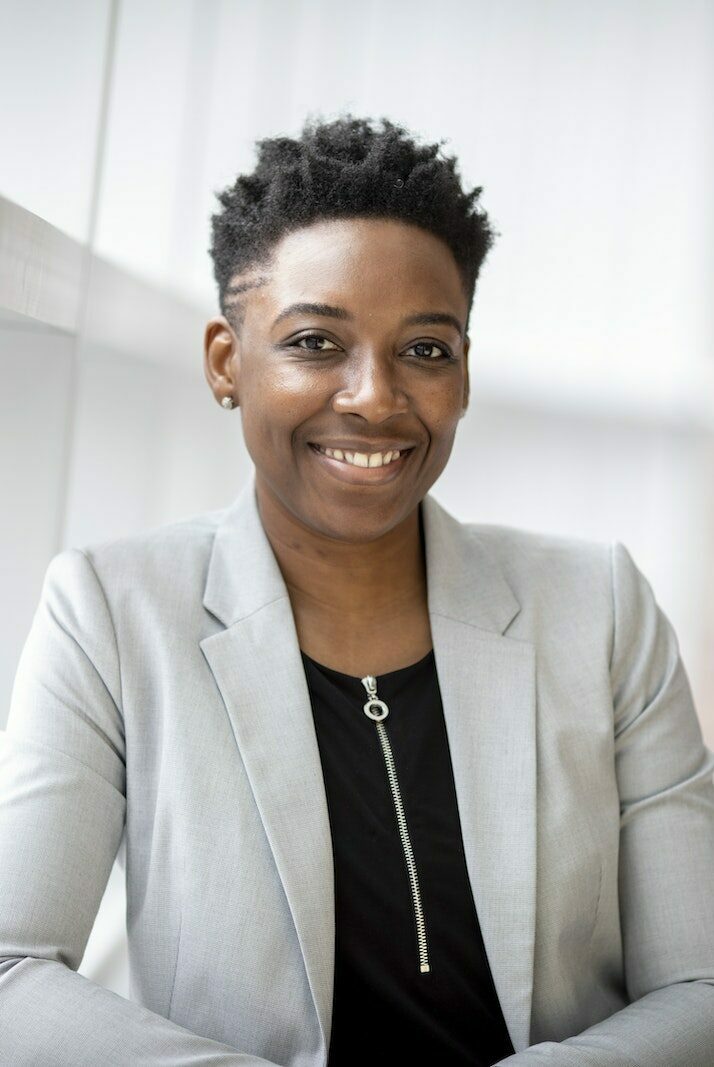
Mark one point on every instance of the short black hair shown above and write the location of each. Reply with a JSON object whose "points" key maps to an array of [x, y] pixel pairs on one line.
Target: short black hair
{"points": [[345, 168]]}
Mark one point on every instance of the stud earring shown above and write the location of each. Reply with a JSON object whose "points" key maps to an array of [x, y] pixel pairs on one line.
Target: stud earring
{"points": [[227, 402]]}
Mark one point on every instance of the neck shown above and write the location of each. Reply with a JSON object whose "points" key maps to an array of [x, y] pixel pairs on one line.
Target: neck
{"points": [[350, 582]]}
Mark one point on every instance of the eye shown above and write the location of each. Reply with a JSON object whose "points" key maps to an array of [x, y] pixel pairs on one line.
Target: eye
{"points": [[315, 347], [420, 346]]}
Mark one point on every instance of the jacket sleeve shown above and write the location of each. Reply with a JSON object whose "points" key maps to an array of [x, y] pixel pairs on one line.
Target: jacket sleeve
{"points": [[62, 811], [666, 862]]}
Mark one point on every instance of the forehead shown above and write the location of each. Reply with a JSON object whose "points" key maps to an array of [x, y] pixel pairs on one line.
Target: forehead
{"points": [[366, 264]]}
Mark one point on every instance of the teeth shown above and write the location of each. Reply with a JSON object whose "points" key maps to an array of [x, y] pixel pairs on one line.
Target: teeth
{"points": [[362, 459]]}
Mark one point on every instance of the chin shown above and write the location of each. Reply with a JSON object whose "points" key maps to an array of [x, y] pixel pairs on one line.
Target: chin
{"points": [[355, 522]]}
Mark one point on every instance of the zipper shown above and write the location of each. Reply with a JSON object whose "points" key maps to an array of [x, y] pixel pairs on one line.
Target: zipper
{"points": [[378, 716]]}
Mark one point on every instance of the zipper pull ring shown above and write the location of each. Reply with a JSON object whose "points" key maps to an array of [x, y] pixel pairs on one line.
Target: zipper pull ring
{"points": [[370, 684]]}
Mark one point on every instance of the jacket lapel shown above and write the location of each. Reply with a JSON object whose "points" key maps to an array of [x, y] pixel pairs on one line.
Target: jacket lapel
{"points": [[257, 666], [487, 683]]}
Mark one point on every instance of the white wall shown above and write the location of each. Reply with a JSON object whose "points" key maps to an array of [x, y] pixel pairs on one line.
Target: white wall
{"points": [[53, 61]]}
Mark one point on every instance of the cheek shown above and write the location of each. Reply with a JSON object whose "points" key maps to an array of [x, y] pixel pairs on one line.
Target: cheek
{"points": [[441, 408], [274, 405]]}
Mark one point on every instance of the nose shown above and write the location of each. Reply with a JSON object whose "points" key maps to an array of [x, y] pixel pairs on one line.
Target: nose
{"points": [[372, 387]]}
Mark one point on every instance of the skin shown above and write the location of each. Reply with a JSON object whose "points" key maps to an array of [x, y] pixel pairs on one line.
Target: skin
{"points": [[351, 552]]}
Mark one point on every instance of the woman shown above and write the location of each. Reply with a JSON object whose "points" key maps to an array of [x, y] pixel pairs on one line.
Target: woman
{"points": [[388, 787]]}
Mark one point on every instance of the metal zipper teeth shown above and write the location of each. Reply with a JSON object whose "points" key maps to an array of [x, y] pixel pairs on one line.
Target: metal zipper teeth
{"points": [[370, 685]]}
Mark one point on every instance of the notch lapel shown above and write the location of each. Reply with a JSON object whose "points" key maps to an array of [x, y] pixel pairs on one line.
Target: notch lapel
{"points": [[257, 666], [487, 684]]}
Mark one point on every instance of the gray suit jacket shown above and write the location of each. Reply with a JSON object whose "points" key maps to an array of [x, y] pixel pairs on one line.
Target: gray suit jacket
{"points": [[160, 704]]}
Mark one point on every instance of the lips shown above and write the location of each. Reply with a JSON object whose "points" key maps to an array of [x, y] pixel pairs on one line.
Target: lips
{"points": [[361, 459], [347, 472]]}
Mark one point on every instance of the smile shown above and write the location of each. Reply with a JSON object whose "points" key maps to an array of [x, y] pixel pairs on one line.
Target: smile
{"points": [[361, 459], [362, 467]]}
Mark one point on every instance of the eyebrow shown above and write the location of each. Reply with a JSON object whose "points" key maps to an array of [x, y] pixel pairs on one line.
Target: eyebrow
{"points": [[422, 318]]}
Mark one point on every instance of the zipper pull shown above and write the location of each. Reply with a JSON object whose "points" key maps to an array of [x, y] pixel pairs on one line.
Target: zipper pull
{"points": [[370, 684]]}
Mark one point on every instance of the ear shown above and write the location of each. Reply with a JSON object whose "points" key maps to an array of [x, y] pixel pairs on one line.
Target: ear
{"points": [[467, 386], [220, 364]]}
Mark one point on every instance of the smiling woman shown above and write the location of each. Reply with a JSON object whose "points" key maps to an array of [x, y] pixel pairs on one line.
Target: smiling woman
{"points": [[394, 788], [374, 363]]}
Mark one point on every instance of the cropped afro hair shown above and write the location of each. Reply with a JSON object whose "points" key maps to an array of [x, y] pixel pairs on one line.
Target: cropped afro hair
{"points": [[339, 169]]}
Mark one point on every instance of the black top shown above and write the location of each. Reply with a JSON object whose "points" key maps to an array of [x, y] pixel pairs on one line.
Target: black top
{"points": [[385, 1010]]}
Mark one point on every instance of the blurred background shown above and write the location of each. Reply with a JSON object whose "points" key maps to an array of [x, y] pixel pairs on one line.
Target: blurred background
{"points": [[589, 125]]}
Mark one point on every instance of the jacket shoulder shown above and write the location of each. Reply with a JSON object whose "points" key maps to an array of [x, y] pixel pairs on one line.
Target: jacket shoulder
{"points": [[557, 566], [172, 555]]}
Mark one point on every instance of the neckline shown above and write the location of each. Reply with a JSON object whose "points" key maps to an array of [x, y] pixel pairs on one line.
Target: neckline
{"points": [[354, 678]]}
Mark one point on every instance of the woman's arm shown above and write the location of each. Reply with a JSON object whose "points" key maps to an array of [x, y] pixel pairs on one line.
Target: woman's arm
{"points": [[62, 809], [666, 874]]}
